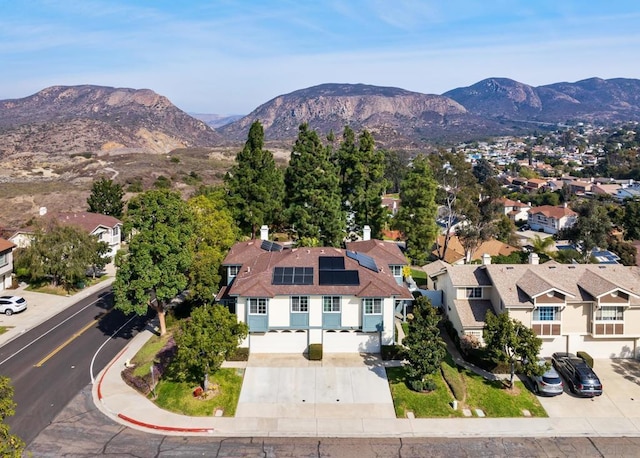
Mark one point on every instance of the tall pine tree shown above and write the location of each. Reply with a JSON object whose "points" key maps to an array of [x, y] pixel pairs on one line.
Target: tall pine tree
{"points": [[255, 187], [417, 215], [313, 191], [362, 182]]}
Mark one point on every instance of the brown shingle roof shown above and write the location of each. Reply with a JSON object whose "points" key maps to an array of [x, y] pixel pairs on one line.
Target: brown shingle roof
{"points": [[551, 211], [386, 252], [87, 220], [582, 281], [6, 245], [473, 313], [255, 276]]}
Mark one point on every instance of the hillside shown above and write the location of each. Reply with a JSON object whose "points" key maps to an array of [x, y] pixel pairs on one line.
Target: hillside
{"points": [[592, 100], [79, 119], [395, 117]]}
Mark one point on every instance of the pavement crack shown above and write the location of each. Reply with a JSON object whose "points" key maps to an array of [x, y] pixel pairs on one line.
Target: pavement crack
{"points": [[108, 442], [159, 452], [596, 447], [400, 448]]}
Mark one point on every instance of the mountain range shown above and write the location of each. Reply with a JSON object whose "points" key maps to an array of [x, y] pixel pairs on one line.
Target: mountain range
{"points": [[77, 119]]}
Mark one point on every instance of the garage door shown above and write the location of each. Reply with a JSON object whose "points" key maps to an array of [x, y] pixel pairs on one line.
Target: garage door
{"points": [[279, 342], [605, 348], [550, 346], [350, 342]]}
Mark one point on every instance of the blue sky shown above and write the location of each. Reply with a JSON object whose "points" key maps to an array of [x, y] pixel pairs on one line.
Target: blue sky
{"points": [[230, 56]]}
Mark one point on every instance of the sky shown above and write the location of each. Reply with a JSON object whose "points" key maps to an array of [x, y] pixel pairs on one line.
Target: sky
{"points": [[230, 56]]}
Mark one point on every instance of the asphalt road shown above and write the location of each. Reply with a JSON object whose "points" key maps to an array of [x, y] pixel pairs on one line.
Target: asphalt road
{"points": [[81, 430], [49, 365]]}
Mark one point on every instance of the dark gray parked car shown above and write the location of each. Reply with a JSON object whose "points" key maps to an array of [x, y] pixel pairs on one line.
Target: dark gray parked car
{"points": [[580, 378]]}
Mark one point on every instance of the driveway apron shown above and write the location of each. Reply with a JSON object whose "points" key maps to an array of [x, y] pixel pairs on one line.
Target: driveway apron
{"points": [[289, 386]]}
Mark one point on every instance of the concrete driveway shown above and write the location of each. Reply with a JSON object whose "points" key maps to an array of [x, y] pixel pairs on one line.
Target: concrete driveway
{"points": [[339, 386], [620, 398]]}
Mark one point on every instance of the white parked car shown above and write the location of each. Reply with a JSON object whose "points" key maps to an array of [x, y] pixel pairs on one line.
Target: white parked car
{"points": [[12, 304]]}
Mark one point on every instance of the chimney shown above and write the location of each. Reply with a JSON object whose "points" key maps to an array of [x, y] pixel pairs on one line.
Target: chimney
{"points": [[486, 259], [264, 232], [366, 233], [534, 259]]}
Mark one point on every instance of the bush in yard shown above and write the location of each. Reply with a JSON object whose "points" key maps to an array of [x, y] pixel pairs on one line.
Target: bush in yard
{"points": [[469, 342], [587, 358], [315, 352], [422, 385], [389, 352], [241, 354], [425, 348]]}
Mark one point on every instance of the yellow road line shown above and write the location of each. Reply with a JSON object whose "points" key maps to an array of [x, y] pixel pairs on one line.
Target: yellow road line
{"points": [[69, 340]]}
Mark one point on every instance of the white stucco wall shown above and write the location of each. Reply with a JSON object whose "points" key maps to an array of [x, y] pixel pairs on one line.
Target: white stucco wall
{"points": [[279, 312]]}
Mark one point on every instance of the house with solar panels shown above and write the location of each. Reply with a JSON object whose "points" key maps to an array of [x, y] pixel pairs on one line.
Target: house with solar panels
{"points": [[293, 297]]}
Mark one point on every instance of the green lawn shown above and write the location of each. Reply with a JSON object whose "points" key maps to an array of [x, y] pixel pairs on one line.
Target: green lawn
{"points": [[492, 397], [420, 277], [178, 397], [147, 354], [496, 400], [433, 404]]}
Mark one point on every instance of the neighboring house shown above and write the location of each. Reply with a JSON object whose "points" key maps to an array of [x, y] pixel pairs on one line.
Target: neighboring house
{"points": [[571, 307], [580, 188], [535, 184], [6, 263], [106, 228], [514, 209], [630, 192], [293, 297], [605, 189], [551, 219], [455, 251]]}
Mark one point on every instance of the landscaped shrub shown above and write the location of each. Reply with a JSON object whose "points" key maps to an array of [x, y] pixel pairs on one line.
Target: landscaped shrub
{"points": [[422, 385], [315, 352], [454, 380], [240, 354], [587, 358], [389, 352], [469, 342]]}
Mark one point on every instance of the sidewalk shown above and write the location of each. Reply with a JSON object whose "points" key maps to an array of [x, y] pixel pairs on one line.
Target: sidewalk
{"points": [[126, 406]]}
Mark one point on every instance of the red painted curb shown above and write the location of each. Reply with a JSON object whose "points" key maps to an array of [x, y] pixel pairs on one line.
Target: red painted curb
{"points": [[105, 371], [165, 428]]}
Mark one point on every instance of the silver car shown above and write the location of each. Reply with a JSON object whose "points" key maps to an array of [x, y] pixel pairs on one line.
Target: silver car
{"points": [[549, 383], [12, 304]]}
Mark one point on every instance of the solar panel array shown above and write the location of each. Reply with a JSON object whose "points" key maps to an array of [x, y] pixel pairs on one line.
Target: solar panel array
{"points": [[364, 260], [292, 276], [268, 245], [331, 262], [339, 278]]}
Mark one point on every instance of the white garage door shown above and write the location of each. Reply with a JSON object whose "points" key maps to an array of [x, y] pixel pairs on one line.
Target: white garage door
{"points": [[350, 342], [605, 348], [279, 342], [551, 346]]}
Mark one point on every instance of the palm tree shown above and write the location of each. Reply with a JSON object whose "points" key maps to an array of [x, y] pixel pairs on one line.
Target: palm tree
{"points": [[542, 245]]}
